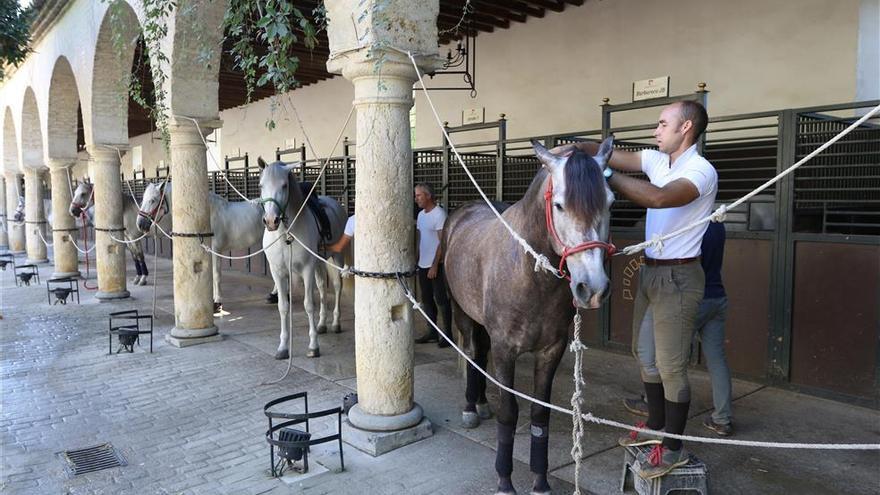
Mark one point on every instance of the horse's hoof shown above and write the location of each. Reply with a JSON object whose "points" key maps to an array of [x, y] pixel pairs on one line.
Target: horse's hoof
{"points": [[272, 299], [505, 486], [469, 419], [337, 328], [541, 487], [313, 353], [217, 307], [282, 354], [484, 411], [143, 280], [322, 329]]}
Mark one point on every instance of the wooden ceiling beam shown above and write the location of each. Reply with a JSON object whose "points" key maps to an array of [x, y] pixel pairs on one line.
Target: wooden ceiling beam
{"points": [[554, 5]]}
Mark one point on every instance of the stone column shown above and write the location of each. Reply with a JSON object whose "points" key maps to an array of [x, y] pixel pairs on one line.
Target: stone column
{"points": [[386, 417], [104, 171], [4, 220], [15, 230], [63, 224], [34, 217], [191, 214]]}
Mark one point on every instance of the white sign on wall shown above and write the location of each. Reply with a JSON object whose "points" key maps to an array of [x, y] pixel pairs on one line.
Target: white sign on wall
{"points": [[646, 89], [473, 116]]}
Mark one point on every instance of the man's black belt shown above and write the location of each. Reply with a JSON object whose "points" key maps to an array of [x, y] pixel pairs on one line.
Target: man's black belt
{"points": [[671, 262]]}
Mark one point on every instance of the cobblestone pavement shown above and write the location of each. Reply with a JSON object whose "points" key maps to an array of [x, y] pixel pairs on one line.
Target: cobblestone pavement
{"points": [[190, 420]]}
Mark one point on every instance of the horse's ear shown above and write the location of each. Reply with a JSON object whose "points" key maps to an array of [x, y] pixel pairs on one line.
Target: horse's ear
{"points": [[605, 149], [549, 160], [261, 163]]}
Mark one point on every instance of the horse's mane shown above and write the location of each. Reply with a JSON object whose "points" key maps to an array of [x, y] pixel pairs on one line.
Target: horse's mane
{"points": [[585, 194]]}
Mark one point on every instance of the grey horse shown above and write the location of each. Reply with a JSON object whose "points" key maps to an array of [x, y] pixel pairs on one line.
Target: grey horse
{"points": [[500, 301]]}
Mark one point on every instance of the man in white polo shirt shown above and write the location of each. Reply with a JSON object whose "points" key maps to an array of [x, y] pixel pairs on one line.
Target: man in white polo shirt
{"points": [[681, 190]]}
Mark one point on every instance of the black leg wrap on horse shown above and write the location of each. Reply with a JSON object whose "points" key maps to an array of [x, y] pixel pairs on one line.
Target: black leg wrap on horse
{"points": [[137, 268], [538, 450], [476, 386], [504, 456], [144, 270]]}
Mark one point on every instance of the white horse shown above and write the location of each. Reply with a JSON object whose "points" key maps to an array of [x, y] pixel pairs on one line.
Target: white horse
{"points": [[82, 206], [281, 198], [235, 225]]}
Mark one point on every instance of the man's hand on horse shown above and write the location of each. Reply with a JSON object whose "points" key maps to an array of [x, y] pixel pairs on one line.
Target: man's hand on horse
{"points": [[432, 272]]}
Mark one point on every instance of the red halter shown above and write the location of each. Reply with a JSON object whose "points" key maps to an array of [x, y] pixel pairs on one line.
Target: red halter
{"points": [[568, 251]]}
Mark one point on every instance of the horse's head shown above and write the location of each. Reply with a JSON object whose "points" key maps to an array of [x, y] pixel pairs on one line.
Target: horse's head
{"points": [[153, 206], [579, 203], [82, 198], [18, 215], [278, 187]]}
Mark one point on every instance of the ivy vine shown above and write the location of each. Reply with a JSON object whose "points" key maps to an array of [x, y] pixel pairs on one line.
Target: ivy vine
{"points": [[15, 38]]}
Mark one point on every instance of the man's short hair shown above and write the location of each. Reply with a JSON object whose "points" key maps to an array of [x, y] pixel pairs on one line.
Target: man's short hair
{"points": [[427, 188], [696, 113]]}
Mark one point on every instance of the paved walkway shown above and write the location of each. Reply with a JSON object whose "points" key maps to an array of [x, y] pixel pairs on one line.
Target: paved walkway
{"points": [[190, 420]]}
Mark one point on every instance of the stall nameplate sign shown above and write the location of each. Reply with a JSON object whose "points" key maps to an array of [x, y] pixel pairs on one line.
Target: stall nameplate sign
{"points": [[657, 87], [473, 116]]}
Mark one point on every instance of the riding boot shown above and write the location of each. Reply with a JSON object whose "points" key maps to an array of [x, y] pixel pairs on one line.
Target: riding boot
{"points": [[656, 406], [676, 418]]}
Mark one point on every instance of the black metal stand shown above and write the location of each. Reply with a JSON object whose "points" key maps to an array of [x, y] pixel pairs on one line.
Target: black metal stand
{"points": [[129, 332], [294, 444], [5, 259], [24, 274], [62, 293]]}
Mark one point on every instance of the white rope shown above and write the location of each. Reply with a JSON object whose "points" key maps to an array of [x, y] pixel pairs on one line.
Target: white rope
{"points": [[720, 214], [541, 261], [577, 419], [40, 232], [616, 424]]}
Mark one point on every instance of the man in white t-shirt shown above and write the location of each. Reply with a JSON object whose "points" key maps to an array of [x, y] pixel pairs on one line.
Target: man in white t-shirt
{"points": [[432, 283], [681, 190]]}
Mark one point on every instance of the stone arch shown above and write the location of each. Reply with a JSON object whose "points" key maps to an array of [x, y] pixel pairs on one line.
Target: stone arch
{"points": [[114, 53], [10, 143], [62, 115], [197, 45], [31, 133]]}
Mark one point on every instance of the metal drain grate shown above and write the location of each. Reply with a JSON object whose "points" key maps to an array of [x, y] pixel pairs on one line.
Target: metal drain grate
{"points": [[92, 459]]}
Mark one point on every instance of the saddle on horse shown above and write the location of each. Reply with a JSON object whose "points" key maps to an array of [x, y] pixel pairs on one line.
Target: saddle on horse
{"points": [[321, 217]]}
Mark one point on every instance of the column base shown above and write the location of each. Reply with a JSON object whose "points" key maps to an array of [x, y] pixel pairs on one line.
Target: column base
{"points": [[17, 253], [379, 439], [36, 262], [181, 342], [75, 274], [111, 296]]}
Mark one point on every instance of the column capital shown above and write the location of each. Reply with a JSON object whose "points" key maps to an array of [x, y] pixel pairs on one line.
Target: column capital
{"points": [[99, 152], [60, 163], [181, 124]]}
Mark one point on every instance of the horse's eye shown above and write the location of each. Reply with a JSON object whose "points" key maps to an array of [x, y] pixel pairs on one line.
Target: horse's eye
{"points": [[558, 206]]}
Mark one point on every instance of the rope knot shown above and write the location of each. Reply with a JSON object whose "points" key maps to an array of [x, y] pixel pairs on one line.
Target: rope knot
{"points": [[417, 306], [577, 346], [345, 272], [720, 215]]}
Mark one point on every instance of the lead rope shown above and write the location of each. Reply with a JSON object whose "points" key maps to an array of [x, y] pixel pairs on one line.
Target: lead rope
{"points": [[577, 419]]}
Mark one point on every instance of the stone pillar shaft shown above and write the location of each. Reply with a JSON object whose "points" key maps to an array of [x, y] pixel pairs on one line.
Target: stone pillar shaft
{"points": [[104, 169], [383, 319], [34, 217], [191, 213], [4, 219], [15, 230], [63, 224]]}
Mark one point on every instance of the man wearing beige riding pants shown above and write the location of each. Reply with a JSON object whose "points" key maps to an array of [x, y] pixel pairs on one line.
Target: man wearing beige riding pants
{"points": [[681, 190]]}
